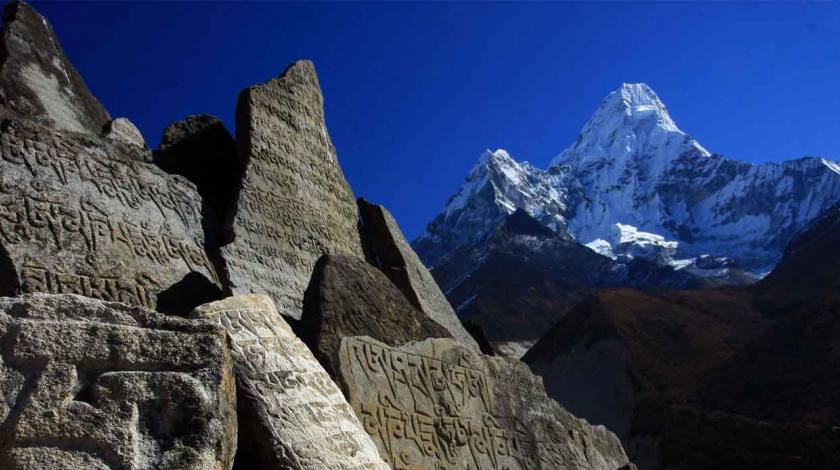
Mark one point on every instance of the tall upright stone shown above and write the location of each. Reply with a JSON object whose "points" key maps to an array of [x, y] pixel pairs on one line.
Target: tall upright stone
{"points": [[291, 414], [87, 384], [387, 248], [294, 204], [37, 81]]}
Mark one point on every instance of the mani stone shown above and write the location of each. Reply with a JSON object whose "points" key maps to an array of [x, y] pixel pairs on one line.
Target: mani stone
{"points": [[87, 384], [437, 404], [291, 414], [387, 248], [125, 131], [294, 204], [81, 214], [349, 297], [37, 81]]}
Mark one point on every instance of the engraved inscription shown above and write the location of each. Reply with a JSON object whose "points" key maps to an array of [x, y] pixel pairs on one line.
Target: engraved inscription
{"points": [[295, 204], [427, 412], [301, 413], [83, 215]]}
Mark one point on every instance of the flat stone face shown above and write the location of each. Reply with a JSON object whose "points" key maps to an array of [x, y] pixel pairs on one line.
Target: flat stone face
{"points": [[388, 249], [437, 404], [38, 81], [294, 204], [90, 216], [292, 415], [90, 384], [349, 297]]}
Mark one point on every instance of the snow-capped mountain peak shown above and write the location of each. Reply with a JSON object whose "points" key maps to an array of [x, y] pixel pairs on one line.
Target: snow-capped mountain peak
{"points": [[630, 122], [634, 184]]}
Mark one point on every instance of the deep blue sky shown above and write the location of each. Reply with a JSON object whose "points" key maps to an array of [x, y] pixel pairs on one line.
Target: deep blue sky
{"points": [[415, 92]]}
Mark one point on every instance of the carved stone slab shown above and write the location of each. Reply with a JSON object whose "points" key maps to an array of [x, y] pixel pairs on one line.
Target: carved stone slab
{"points": [[91, 216], [90, 384], [437, 404], [292, 415], [295, 204], [388, 249]]}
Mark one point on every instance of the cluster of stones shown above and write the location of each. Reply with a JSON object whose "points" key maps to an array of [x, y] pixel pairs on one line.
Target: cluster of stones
{"points": [[223, 303]]}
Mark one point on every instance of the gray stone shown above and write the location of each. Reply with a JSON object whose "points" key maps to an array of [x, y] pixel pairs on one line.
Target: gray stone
{"points": [[292, 415], [437, 404], [92, 384], [37, 79], [200, 149], [294, 204], [125, 131], [349, 297], [387, 248], [85, 215]]}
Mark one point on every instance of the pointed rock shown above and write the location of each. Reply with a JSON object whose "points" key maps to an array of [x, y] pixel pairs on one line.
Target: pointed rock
{"points": [[387, 249], [38, 81], [349, 297], [294, 204], [291, 414]]}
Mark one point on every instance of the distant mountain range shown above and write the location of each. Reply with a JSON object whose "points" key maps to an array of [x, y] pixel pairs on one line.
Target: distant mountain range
{"points": [[634, 185]]}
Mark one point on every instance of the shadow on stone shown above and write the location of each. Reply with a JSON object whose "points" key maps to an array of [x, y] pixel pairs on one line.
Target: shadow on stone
{"points": [[9, 285], [188, 293]]}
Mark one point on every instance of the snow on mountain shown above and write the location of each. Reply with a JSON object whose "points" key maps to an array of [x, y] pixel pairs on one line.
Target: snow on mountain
{"points": [[635, 185]]}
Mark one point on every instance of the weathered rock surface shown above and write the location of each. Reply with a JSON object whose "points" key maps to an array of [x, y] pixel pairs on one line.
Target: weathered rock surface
{"points": [[291, 413], [349, 297], [294, 204], [437, 404], [86, 215], [387, 248], [37, 81], [91, 384], [203, 151], [125, 131]]}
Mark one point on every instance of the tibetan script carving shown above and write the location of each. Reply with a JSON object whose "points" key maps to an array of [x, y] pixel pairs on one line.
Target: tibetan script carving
{"points": [[296, 416], [438, 405], [295, 204], [89, 216]]}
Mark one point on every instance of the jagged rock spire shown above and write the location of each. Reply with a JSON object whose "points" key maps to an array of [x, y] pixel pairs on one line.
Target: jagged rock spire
{"points": [[37, 80]]}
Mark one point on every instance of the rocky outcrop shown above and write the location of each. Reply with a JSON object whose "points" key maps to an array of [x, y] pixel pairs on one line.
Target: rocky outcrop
{"points": [[200, 149], [279, 382], [125, 131], [92, 216], [294, 204], [387, 248], [438, 404], [91, 384], [349, 297], [37, 81]]}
